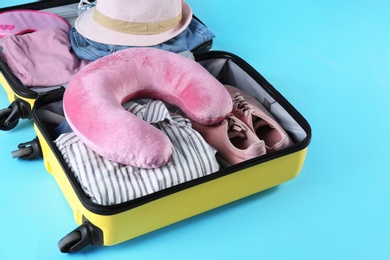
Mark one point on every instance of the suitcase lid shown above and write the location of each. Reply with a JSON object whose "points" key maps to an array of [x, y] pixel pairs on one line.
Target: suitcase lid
{"points": [[37, 4]]}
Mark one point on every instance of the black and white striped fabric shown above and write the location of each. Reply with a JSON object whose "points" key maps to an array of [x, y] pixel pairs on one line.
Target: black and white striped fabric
{"points": [[109, 183]]}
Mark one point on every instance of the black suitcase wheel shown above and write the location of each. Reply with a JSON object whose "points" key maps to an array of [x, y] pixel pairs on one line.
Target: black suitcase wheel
{"points": [[5, 123], [84, 235], [28, 150], [9, 117], [22, 152], [69, 241]]}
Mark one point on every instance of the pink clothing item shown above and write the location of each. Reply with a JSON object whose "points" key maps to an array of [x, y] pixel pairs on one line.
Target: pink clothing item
{"points": [[18, 22], [43, 58], [94, 97]]}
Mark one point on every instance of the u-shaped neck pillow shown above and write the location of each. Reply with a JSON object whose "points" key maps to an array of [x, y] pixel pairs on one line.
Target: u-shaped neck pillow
{"points": [[94, 97]]}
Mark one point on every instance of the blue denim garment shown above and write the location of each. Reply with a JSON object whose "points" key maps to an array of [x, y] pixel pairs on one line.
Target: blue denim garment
{"points": [[192, 37], [62, 128]]}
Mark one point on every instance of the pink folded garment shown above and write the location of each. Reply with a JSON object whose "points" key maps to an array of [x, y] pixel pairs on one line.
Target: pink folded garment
{"points": [[42, 58]]}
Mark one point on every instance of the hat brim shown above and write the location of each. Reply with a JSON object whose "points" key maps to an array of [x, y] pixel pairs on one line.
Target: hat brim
{"points": [[87, 27]]}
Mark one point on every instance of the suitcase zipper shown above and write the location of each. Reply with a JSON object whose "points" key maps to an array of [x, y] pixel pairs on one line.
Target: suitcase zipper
{"points": [[69, 15]]}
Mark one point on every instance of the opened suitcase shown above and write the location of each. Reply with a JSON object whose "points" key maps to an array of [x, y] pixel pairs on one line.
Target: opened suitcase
{"points": [[108, 225]]}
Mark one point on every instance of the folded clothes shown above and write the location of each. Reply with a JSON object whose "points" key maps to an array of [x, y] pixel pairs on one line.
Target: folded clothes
{"points": [[195, 35], [109, 183], [42, 58]]}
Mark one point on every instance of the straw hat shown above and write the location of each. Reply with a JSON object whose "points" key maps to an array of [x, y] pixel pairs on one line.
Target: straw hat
{"points": [[134, 22]]}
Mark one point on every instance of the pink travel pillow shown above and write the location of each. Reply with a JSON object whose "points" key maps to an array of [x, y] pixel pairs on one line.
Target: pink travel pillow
{"points": [[94, 97], [19, 22]]}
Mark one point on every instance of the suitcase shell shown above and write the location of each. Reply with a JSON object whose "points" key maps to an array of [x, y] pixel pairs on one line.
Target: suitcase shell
{"points": [[110, 225], [21, 97]]}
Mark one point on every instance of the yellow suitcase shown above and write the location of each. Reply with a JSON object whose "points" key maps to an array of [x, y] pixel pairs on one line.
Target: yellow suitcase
{"points": [[110, 225]]}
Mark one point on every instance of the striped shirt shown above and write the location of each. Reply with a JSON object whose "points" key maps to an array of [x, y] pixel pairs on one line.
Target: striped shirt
{"points": [[109, 183]]}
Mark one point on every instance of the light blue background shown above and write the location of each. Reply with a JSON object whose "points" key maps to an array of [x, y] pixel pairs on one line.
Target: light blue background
{"points": [[331, 60]]}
